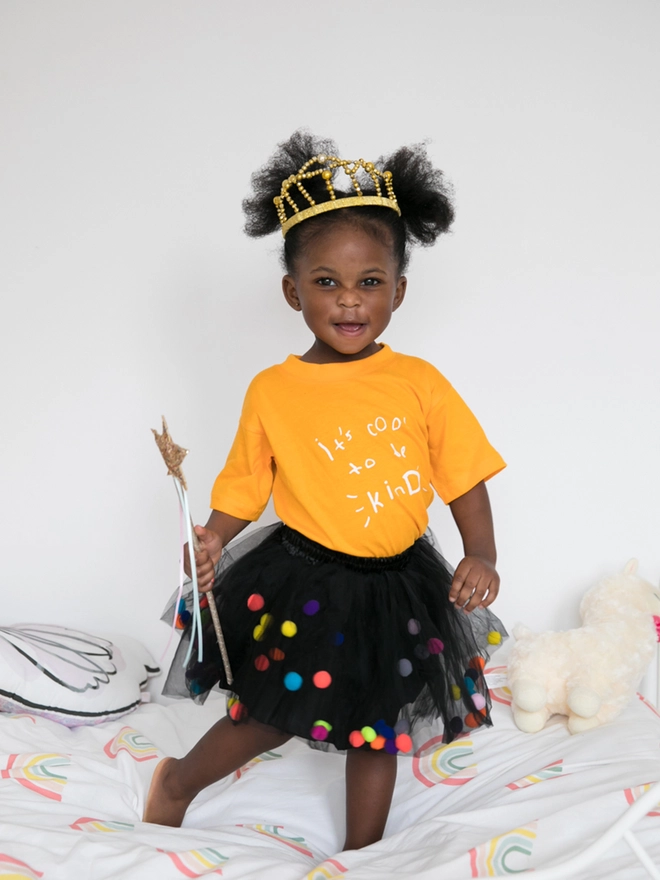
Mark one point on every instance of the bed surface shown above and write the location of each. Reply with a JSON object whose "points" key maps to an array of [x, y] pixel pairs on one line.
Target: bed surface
{"points": [[496, 803]]}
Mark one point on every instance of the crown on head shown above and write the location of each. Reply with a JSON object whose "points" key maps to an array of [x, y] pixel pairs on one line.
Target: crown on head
{"points": [[325, 167]]}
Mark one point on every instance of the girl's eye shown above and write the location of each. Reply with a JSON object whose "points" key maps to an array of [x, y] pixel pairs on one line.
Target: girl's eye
{"points": [[371, 282], [324, 282]]}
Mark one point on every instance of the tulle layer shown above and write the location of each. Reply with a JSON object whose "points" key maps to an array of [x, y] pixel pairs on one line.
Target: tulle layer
{"points": [[342, 651]]}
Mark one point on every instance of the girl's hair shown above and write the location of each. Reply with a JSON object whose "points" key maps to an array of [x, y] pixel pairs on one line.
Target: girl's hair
{"points": [[423, 195]]}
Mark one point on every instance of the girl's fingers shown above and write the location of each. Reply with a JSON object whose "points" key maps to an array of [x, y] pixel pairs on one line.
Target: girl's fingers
{"points": [[473, 595], [493, 590], [458, 584], [477, 597], [480, 593], [467, 591]]}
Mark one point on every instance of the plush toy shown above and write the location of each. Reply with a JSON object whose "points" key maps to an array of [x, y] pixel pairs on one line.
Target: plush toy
{"points": [[589, 673]]}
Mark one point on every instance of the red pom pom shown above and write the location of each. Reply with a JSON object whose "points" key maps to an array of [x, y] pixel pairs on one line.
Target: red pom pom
{"points": [[255, 602], [403, 742], [261, 662], [356, 739], [238, 711], [322, 679]]}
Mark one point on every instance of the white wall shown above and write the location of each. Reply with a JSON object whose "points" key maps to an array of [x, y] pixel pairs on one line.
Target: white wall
{"points": [[129, 132]]}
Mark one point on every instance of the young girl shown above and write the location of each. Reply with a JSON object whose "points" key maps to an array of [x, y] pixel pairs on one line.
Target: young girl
{"points": [[344, 625]]}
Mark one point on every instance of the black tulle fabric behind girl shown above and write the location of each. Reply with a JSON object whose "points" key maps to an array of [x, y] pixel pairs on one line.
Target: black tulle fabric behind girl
{"points": [[323, 644]]}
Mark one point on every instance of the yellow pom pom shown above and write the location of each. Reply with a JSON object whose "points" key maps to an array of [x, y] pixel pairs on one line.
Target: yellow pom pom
{"points": [[231, 701], [266, 619], [289, 629], [258, 633], [369, 734], [455, 692], [494, 638]]}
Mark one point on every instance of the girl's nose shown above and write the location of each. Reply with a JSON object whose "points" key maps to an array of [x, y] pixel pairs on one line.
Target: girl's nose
{"points": [[349, 297]]}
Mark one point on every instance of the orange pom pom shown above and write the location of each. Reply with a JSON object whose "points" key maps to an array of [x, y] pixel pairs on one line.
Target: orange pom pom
{"points": [[378, 743], [477, 663], [276, 654], [472, 720]]}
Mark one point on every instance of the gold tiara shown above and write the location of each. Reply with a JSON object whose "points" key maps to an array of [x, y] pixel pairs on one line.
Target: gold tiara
{"points": [[326, 167]]}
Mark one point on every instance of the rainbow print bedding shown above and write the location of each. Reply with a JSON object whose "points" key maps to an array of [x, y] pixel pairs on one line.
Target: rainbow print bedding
{"points": [[497, 803]]}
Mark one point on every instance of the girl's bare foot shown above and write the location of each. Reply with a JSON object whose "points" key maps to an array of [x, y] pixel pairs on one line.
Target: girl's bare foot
{"points": [[162, 807]]}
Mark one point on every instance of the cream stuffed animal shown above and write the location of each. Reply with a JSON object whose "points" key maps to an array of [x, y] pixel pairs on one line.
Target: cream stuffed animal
{"points": [[589, 673]]}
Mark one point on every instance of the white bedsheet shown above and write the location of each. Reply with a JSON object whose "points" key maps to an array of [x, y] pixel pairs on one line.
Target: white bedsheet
{"points": [[498, 802]]}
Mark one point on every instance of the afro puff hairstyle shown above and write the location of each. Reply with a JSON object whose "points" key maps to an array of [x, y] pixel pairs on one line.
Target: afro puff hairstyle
{"points": [[423, 195]]}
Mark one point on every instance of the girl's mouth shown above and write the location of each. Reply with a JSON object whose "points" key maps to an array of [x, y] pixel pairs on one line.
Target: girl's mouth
{"points": [[350, 329]]}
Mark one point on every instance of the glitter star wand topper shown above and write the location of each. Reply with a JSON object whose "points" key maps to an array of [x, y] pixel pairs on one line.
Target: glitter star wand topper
{"points": [[173, 456]]}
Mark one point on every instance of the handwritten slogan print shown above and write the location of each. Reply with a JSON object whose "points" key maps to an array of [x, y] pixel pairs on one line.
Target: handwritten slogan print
{"points": [[375, 455]]}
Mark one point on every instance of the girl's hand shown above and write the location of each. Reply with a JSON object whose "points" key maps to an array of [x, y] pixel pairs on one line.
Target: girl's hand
{"points": [[206, 557], [475, 584]]}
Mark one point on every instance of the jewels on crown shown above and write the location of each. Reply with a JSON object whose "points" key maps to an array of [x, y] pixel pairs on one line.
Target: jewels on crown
{"points": [[324, 166]]}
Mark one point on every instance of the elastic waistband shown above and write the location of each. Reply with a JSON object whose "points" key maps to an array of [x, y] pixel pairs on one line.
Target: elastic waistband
{"points": [[299, 545]]}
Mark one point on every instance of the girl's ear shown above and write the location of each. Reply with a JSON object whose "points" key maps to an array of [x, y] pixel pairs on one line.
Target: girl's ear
{"points": [[290, 293], [400, 292]]}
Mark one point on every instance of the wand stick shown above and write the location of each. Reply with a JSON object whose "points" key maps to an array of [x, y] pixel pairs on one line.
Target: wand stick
{"points": [[173, 456]]}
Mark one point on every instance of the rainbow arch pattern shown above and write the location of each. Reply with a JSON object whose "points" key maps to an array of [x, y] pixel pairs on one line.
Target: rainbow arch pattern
{"points": [[15, 869], [274, 832], [197, 862], [331, 869], [507, 854], [133, 742], [631, 795], [550, 771], [40, 773], [450, 764], [266, 756], [85, 823]]}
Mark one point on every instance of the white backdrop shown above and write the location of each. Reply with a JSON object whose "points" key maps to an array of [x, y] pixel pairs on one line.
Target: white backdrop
{"points": [[129, 131]]}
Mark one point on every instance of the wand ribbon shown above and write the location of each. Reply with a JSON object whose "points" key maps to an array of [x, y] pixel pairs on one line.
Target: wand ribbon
{"points": [[173, 456]]}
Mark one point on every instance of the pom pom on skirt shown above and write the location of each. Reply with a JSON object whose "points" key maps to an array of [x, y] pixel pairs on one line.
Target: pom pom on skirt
{"points": [[343, 651]]}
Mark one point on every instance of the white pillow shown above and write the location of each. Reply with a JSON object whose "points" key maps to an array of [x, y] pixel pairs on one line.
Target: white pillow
{"points": [[70, 676]]}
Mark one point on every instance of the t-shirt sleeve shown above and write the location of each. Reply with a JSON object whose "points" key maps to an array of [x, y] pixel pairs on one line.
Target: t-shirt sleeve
{"points": [[461, 455], [244, 485]]}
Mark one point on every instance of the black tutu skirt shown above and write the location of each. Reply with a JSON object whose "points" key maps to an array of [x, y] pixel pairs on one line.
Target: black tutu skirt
{"points": [[343, 651]]}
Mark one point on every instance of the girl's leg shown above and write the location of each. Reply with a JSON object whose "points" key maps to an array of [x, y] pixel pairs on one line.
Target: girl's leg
{"points": [[370, 778], [223, 749]]}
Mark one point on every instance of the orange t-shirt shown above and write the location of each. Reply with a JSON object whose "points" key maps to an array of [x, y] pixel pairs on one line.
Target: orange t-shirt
{"points": [[352, 451]]}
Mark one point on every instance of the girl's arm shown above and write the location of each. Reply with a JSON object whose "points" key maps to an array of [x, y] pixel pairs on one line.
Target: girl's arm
{"points": [[476, 583], [216, 534]]}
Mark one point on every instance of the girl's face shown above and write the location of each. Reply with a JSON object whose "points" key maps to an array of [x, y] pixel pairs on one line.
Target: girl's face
{"points": [[346, 285]]}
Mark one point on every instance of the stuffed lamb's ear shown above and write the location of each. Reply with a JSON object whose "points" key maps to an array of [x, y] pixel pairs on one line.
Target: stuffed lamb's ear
{"points": [[631, 567]]}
